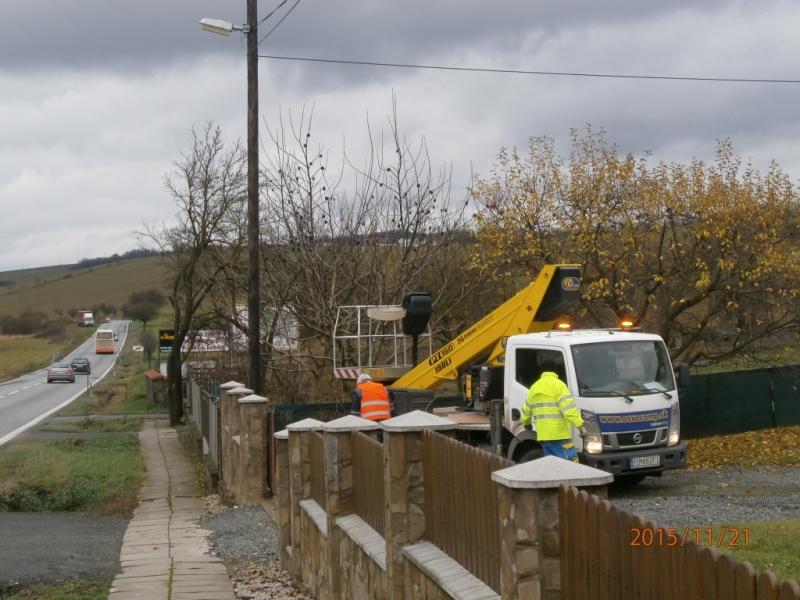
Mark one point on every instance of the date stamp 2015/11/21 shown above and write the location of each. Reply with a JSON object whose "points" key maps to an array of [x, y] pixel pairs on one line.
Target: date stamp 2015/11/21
{"points": [[727, 536]]}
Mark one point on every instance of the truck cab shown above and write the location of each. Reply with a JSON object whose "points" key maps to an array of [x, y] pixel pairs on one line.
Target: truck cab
{"points": [[622, 383]]}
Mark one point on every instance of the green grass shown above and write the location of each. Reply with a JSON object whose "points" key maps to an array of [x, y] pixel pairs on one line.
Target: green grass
{"points": [[20, 355], [111, 283], [96, 475], [76, 589], [89, 425], [767, 545]]}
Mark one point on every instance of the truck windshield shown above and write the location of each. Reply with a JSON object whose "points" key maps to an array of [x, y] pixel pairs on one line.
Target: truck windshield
{"points": [[622, 368]]}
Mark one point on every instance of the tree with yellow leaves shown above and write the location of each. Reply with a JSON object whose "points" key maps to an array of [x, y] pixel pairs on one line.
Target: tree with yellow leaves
{"points": [[703, 254]]}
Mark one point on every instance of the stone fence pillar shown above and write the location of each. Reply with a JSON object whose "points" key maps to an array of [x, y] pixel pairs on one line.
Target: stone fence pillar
{"points": [[231, 451], [225, 435], [300, 482], [339, 485], [405, 493], [252, 419], [528, 507], [284, 502]]}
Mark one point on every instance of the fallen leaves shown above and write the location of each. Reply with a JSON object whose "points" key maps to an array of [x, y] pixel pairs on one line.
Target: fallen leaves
{"points": [[768, 447]]}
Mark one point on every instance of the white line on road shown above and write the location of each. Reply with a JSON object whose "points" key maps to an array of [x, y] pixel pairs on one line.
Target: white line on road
{"points": [[40, 418]]}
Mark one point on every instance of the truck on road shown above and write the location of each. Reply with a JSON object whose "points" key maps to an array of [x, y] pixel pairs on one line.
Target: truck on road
{"points": [[621, 380], [85, 318]]}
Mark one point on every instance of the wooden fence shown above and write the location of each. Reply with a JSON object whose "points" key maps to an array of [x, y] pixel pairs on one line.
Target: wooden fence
{"points": [[463, 504], [610, 554], [368, 486]]}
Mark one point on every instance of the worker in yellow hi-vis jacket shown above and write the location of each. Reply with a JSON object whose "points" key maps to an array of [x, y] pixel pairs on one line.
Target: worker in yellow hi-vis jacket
{"points": [[550, 407]]}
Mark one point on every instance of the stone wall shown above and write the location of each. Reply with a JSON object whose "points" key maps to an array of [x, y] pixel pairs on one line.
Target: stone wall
{"points": [[334, 554]]}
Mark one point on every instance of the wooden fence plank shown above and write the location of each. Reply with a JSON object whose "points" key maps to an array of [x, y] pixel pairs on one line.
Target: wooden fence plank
{"points": [[678, 571], [564, 542], [582, 545], [607, 548], [726, 577], [638, 525], [693, 587], [709, 558], [767, 586], [650, 563], [746, 578], [789, 590], [625, 567], [663, 557], [594, 542]]}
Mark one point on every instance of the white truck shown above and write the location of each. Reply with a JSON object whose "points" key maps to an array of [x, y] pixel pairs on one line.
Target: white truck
{"points": [[623, 384], [622, 381]]}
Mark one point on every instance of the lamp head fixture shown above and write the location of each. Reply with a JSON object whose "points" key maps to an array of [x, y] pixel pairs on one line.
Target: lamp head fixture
{"points": [[222, 27]]}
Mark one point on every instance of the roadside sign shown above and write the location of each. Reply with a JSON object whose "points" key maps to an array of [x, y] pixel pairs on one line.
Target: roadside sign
{"points": [[165, 339]]}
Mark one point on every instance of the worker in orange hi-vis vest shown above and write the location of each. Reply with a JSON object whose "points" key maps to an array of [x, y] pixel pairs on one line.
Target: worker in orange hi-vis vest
{"points": [[370, 400]]}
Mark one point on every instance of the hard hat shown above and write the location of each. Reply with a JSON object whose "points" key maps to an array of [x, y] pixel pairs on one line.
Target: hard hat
{"points": [[363, 378]]}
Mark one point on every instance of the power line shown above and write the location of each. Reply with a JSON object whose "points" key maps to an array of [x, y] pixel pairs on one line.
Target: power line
{"points": [[521, 72], [288, 12]]}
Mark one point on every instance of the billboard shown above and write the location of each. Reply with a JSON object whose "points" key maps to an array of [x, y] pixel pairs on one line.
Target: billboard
{"points": [[285, 333], [165, 339]]}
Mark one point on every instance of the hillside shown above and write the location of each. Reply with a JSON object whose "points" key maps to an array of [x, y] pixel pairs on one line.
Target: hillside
{"points": [[58, 288]]}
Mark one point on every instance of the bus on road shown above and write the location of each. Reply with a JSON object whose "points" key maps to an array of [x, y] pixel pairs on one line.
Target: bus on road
{"points": [[104, 341]]}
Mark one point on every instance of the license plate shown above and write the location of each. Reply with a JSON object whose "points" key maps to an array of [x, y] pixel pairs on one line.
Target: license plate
{"points": [[644, 461]]}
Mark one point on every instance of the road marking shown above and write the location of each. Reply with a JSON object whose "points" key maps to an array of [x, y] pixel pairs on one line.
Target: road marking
{"points": [[26, 387], [14, 392]]}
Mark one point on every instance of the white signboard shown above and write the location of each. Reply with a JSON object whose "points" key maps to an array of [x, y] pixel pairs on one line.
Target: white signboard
{"points": [[284, 336]]}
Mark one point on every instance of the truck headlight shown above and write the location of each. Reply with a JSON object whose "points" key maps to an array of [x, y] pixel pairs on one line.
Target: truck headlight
{"points": [[674, 426], [592, 443]]}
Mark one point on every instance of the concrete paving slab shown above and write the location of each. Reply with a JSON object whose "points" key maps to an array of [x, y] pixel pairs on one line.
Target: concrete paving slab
{"points": [[165, 552]]}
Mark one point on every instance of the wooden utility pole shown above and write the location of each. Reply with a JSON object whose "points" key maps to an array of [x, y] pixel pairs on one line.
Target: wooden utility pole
{"points": [[254, 380]]}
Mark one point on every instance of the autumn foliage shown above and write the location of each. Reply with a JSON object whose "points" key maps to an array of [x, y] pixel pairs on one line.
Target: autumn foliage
{"points": [[703, 254]]}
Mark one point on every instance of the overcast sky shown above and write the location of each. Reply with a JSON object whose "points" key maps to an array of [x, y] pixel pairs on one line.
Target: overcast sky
{"points": [[98, 97]]}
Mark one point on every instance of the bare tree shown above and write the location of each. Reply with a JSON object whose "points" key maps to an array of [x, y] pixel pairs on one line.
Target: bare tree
{"points": [[208, 184], [392, 232]]}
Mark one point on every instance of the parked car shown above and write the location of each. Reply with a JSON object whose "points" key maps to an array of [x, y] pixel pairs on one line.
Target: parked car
{"points": [[81, 365], [60, 371]]}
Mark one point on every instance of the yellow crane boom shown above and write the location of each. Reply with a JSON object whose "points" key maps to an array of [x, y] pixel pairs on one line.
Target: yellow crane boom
{"points": [[535, 308]]}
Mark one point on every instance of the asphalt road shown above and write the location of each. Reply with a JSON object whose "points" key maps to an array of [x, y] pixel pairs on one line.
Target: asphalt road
{"points": [[29, 399], [51, 547]]}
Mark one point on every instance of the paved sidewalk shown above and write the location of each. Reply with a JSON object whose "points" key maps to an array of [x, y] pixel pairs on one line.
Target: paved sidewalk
{"points": [[163, 553]]}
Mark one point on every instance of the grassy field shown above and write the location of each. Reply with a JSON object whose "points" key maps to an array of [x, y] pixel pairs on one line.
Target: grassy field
{"points": [[100, 475], [63, 289], [20, 355]]}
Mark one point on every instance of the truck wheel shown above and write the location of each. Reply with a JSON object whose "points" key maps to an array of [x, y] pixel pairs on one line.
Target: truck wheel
{"points": [[531, 454]]}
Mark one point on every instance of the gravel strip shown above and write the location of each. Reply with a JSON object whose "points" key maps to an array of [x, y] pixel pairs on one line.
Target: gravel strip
{"points": [[246, 538], [704, 497]]}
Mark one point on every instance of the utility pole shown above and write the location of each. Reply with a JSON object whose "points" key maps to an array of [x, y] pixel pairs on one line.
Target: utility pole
{"points": [[253, 290]]}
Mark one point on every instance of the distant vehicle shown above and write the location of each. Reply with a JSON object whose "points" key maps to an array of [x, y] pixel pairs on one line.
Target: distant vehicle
{"points": [[108, 319], [104, 341], [116, 337], [60, 371], [85, 318], [81, 365]]}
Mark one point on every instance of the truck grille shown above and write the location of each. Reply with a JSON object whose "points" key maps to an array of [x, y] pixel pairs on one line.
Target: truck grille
{"points": [[622, 440]]}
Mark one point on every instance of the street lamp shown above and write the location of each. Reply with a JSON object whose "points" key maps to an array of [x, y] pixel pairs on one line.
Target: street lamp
{"points": [[253, 304]]}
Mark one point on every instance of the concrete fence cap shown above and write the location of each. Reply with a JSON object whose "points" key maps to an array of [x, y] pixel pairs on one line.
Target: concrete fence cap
{"points": [[550, 472], [230, 385], [282, 435], [252, 399], [305, 425], [350, 423], [239, 390], [416, 421]]}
